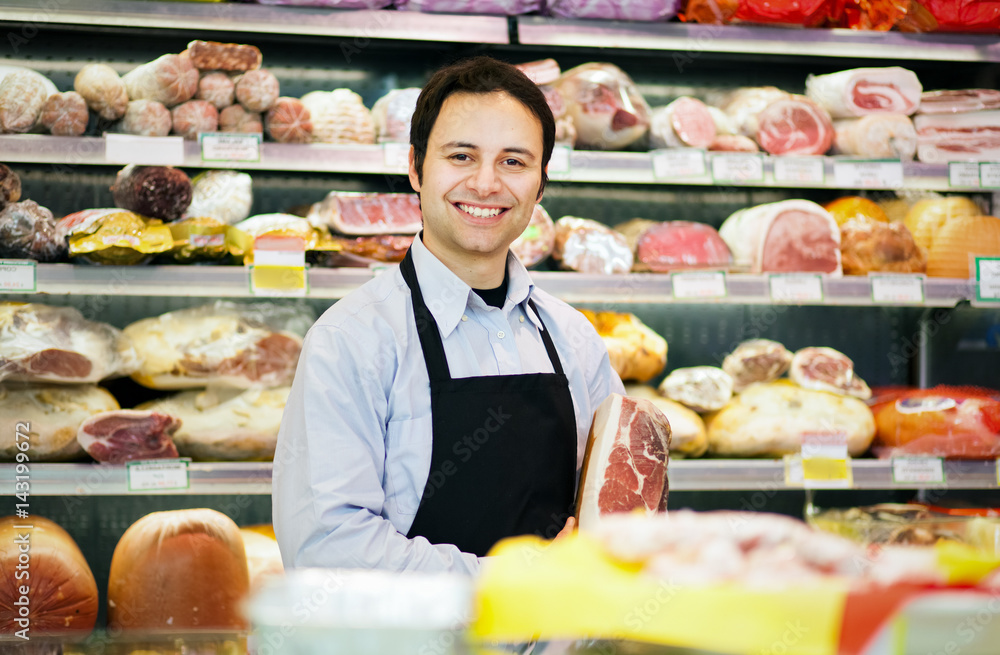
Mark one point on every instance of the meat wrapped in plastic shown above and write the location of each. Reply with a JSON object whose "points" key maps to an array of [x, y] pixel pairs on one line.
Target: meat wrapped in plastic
{"points": [[162, 192], [587, 246], [497, 7], [127, 435], [224, 343], [339, 116], [536, 242], [200, 239], [10, 186], [640, 10], [392, 113], [113, 236], [367, 214], [607, 109], [22, 94], [170, 79], [28, 231], [635, 350], [363, 251], [702, 388], [246, 232], [41, 343], [756, 360], [225, 196]]}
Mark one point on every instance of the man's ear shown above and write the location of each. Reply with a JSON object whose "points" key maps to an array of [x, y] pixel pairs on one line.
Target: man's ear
{"points": [[414, 178]]}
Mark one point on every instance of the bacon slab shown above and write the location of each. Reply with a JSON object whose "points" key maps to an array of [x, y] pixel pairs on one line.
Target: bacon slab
{"points": [[863, 91]]}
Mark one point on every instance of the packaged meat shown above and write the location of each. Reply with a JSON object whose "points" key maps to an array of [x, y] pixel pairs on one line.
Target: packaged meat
{"points": [[639, 10], [237, 119], [339, 116], [200, 240], [103, 90], [863, 91], [127, 435], [943, 421], [179, 570], [879, 136], [688, 437], [10, 186], [826, 369], [146, 118], [362, 251], [769, 419], [263, 557], [912, 524], [366, 214], [958, 101], [499, 7], [28, 231], [587, 246], [216, 88], [535, 244], [943, 138], [744, 105], [756, 360], [41, 343], [674, 245], [958, 241], [636, 351], [625, 465], [927, 216], [338, 4], [733, 143], [224, 343], [221, 424], [855, 208], [565, 129], [61, 592], [162, 192], [607, 109], [870, 247], [64, 114], [724, 124], [113, 237], [794, 125], [278, 225], [22, 95], [964, 15], [702, 388], [257, 90], [684, 122], [392, 113], [804, 13], [193, 117], [170, 79], [225, 196], [542, 72], [212, 55], [51, 415], [633, 229], [288, 121], [784, 237]]}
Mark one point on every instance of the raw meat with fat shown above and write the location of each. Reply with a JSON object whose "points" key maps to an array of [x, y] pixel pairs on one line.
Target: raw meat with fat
{"points": [[794, 125], [684, 122], [681, 244], [587, 246], [882, 136], [742, 106], [607, 109], [958, 101], [625, 467], [733, 143], [756, 360], [862, 91], [536, 242], [127, 435], [826, 369], [368, 214], [974, 136]]}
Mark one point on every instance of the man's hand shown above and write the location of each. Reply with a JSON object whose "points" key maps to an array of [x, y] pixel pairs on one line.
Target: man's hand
{"points": [[567, 529]]}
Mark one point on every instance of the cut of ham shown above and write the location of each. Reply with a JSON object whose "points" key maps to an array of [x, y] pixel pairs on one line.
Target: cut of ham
{"points": [[368, 214], [682, 244], [733, 143], [958, 101], [126, 435], [756, 360], [625, 467], [862, 91], [826, 369], [743, 106], [877, 135], [794, 126], [607, 109], [684, 122], [974, 136]]}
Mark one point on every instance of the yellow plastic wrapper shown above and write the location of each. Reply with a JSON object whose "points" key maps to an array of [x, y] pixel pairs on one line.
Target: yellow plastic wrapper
{"points": [[114, 236], [200, 239], [277, 225]]}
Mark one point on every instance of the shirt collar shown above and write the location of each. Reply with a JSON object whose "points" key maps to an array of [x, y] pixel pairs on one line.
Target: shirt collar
{"points": [[447, 296]]}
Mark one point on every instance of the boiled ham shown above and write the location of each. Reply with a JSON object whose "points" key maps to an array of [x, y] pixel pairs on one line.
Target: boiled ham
{"points": [[794, 126], [681, 244], [127, 435], [368, 214], [973, 136], [744, 105], [862, 91], [881, 136], [783, 237], [684, 122], [625, 467], [957, 101]]}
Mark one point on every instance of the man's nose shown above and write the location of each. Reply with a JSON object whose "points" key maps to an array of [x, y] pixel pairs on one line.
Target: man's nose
{"points": [[484, 181]]}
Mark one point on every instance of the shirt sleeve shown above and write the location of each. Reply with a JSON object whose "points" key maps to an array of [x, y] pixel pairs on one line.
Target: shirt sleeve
{"points": [[329, 466]]}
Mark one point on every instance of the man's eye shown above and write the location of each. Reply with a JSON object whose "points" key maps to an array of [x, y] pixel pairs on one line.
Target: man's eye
{"points": [[513, 162], [461, 156]]}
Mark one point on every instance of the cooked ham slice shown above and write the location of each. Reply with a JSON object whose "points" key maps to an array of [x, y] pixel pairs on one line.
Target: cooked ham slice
{"points": [[126, 435], [862, 91], [974, 136], [958, 101], [684, 122], [877, 135]]}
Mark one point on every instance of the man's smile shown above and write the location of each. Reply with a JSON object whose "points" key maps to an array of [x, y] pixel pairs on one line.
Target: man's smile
{"points": [[478, 211]]}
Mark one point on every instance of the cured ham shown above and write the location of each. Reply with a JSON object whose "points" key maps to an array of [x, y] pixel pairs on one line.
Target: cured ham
{"points": [[756, 360], [889, 136], [702, 388], [862, 91], [974, 136], [826, 369], [958, 101], [681, 244], [684, 122], [127, 435], [743, 106], [794, 126], [605, 105], [368, 214], [625, 467]]}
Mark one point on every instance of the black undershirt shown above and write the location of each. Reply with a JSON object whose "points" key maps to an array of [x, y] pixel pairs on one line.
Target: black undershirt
{"points": [[494, 297]]}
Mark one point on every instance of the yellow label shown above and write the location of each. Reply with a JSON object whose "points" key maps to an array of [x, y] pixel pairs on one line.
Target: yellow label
{"points": [[288, 279], [823, 469]]}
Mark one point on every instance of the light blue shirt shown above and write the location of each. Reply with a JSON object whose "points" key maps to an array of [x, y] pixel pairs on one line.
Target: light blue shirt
{"points": [[354, 448]]}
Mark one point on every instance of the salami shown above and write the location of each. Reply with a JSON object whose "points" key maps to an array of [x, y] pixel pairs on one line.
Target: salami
{"points": [[22, 95], [288, 121], [257, 90], [170, 79], [65, 114], [237, 119], [193, 117], [146, 118], [826, 369], [212, 55], [10, 186], [160, 192], [103, 90], [216, 88]]}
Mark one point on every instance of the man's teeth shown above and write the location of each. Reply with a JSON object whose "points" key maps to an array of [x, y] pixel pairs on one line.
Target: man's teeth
{"points": [[480, 212]]}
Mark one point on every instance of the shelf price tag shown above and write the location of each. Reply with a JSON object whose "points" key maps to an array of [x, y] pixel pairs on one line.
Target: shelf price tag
{"points": [[923, 470], [825, 462], [963, 174], [989, 175], [698, 286], [229, 146], [678, 162], [18, 276], [144, 150], [874, 174], [279, 267], [796, 287], [741, 167], [158, 474], [396, 157], [897, 289], [988, 279], [560, 162], [799, 170]]}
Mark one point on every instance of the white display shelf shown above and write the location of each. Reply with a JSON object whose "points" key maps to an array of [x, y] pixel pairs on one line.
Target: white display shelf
{"points": [[334, 283], [361, 25], [691, 40]]}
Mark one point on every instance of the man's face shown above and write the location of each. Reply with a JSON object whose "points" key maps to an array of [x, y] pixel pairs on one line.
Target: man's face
{"points": [[481, 177]]}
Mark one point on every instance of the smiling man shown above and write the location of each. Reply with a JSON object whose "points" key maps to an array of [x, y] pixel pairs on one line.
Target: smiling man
{"points": [[444, 406]]}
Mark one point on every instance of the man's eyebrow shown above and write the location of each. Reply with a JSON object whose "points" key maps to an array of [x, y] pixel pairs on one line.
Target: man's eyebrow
{"points": [[471, 146]]}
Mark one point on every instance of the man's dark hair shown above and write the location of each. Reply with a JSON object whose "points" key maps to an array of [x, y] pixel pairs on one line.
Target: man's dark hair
{"points": [[478, 75]]}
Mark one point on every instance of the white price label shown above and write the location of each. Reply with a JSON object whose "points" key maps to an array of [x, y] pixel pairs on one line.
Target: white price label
{"points": [[828, 445], [396, 157], [989, 175], [144, 150], [796, 287], [229, 147], [988, 278], [698, 285], [924, 470], [560, 161], [868, 174], [158, 474], [963, 174], [279, 257], [678, 162], [17, 276], [897, 289], [738, 167], [799, 170]]}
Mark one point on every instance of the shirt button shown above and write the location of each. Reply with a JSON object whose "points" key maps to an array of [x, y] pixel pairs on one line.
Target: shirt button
{"points": [[522, 319], [500, 334], [465, 318]]}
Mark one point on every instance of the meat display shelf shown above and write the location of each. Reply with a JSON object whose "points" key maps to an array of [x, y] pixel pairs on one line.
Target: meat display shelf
{"points": [[567, 165], [334, 283], [692, 39], [261, 19], [254, 478]]}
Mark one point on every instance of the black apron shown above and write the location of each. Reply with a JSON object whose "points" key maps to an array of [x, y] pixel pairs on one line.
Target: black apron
{"points": [[503, 460]]}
